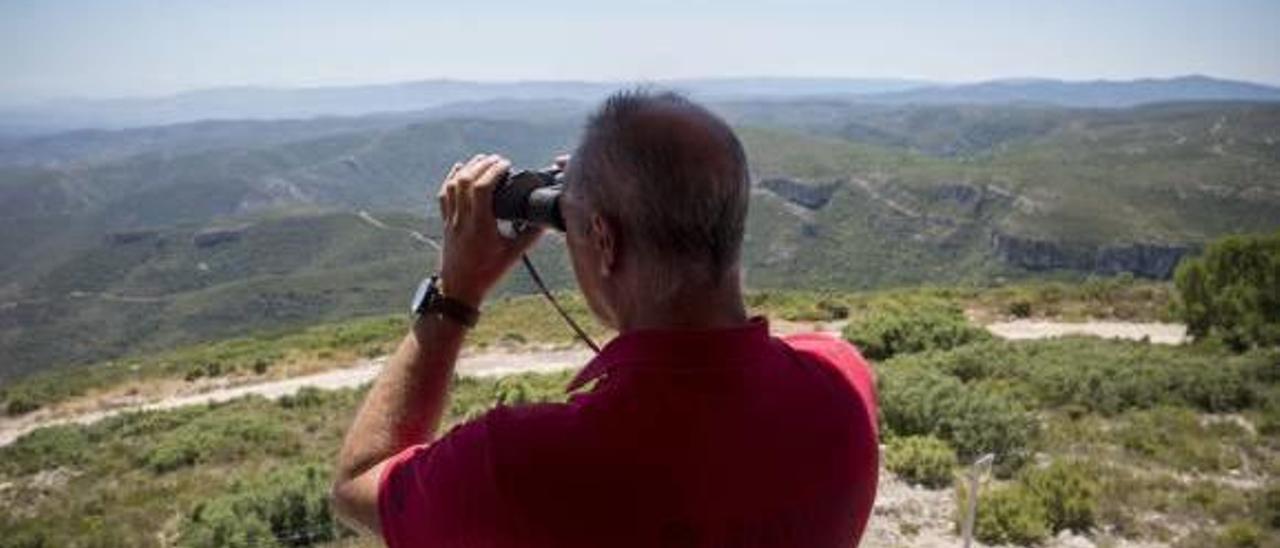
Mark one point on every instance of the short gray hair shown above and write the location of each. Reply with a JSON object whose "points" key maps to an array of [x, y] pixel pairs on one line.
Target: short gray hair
{"points": [[673, 177]]}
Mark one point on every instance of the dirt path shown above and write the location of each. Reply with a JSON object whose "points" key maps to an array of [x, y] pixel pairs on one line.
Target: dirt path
{"points": [[489, 364], [378, 224], [1159, 333]]}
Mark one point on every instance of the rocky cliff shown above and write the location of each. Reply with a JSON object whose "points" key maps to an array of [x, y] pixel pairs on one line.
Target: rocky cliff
{"points": [[1149, 260]]}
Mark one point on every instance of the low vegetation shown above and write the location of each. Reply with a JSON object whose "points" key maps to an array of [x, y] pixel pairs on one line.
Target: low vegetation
{"points": [[907, 327], [517, 322], [249, 472], [921, 460], [1109, 439]]}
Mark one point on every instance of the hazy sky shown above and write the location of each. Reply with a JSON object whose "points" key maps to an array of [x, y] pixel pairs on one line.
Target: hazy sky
{"points": [[100, 48]]}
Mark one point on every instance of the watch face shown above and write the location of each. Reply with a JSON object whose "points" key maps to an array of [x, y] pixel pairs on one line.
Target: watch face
{"points": [[421, 296]]}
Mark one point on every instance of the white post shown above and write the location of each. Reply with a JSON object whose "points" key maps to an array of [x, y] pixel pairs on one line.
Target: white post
{"points": [[975, 474]]}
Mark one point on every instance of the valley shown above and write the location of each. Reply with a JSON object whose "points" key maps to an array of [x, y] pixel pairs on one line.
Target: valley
{"points": [[203, 241]]}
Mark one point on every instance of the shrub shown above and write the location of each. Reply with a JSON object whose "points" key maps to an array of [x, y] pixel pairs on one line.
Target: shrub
{"points": [[1009, 514], [512, 391], [289, 507], [1175, 436], [1109, 376], [903, 327], [218, 438], [19, 403], [1240, 534], [307, 396], [45, 448], [25, 539], [1020, 308], [973, 419], [1269, 507], [921, 460], [1069, 493], [1232, 291]]}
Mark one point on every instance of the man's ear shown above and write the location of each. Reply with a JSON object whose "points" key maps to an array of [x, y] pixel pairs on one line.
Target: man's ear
{"points": [[604, 239]]}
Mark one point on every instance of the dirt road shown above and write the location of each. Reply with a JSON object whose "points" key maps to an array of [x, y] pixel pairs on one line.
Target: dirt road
{"points": [[490, 364], [1159, 333]]}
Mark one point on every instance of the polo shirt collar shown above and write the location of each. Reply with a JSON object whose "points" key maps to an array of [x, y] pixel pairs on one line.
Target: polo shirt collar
{"points": [[677, 346]]}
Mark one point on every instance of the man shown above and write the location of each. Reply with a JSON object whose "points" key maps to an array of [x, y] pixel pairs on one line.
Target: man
{"points": [[699, 430]]}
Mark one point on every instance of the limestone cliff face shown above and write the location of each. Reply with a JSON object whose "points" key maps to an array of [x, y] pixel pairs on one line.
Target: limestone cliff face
{"points": [[809, 195], [1140, 259]]}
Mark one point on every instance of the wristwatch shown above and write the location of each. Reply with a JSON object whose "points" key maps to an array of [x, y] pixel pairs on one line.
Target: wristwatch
{"points": [[429, 300]]}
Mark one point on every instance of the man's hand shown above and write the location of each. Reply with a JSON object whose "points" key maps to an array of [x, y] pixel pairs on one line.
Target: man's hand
{"points": [[475, 254]]}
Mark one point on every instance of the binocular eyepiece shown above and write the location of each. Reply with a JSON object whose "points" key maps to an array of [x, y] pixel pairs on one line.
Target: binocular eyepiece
{"points": [[530, 198]]}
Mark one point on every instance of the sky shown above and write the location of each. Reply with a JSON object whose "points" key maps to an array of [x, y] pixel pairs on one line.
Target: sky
{"points": [[117, 48]]}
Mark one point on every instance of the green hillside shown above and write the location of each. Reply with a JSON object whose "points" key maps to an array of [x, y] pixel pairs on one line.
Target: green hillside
{"points": [[147, 290], [847, 197]]}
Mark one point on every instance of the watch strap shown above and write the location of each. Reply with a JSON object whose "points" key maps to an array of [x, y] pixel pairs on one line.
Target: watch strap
{"points": [[453, 309]]}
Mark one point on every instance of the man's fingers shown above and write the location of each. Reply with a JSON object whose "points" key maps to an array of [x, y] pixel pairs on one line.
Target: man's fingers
{"points": [[466, 180], [453, 172], [490, 176], [463, 183], [483, 190], [451, 205]]}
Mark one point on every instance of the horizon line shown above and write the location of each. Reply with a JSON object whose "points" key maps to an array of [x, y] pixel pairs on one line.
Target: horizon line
{"points": [[917, 82]]}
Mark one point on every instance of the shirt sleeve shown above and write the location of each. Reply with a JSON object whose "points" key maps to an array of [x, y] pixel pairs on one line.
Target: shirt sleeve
{"points": [[440, 494]]}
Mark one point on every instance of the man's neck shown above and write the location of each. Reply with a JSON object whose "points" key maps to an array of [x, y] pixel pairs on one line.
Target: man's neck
{"points": [[704, 308]]}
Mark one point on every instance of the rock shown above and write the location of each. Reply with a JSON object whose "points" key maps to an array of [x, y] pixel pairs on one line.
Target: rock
{"points": [[215, 236], [1140, 259], [808, 195], [960, 193], [124, 237]]}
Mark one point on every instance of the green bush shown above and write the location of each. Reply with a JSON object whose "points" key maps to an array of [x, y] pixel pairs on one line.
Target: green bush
{"points": [[1069, 492], [1174, 436], [921, 460], [307, 396], [1240, 534], [905, 327], [217, 438], [19, 403], [46, 448], [1009, 514], [1232, 291], [974, 419], [24, 539], [1269, 507], [1020, 308], [289, 507], [1109, 376]]}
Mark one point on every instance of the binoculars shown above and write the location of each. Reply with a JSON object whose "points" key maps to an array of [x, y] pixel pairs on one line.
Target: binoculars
{"points": [[530, 198]]}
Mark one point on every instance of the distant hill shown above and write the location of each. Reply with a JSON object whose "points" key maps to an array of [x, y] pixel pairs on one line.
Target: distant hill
{"points": [[1098, 93], [280, 103], [277, 103]]}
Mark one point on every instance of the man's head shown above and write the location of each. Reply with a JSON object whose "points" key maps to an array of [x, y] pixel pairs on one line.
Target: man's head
{"points": [[656, 202]]}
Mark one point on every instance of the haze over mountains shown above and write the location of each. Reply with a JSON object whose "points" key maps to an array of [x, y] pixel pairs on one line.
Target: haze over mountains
{"points": [[119, 241], [274, 103]]}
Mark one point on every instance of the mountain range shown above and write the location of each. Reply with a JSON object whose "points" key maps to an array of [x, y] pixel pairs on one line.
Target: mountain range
{"points": [[239, 103]]}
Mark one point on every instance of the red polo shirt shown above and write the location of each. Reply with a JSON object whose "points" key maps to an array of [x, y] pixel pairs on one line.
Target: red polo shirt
{"points": [[724, 437]]}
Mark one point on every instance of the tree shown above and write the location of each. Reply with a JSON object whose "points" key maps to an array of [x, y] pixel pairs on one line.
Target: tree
{"points": [[1232, 291]]}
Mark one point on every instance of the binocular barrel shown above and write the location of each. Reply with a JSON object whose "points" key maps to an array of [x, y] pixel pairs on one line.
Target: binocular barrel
{"points": [[530, 198]]}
